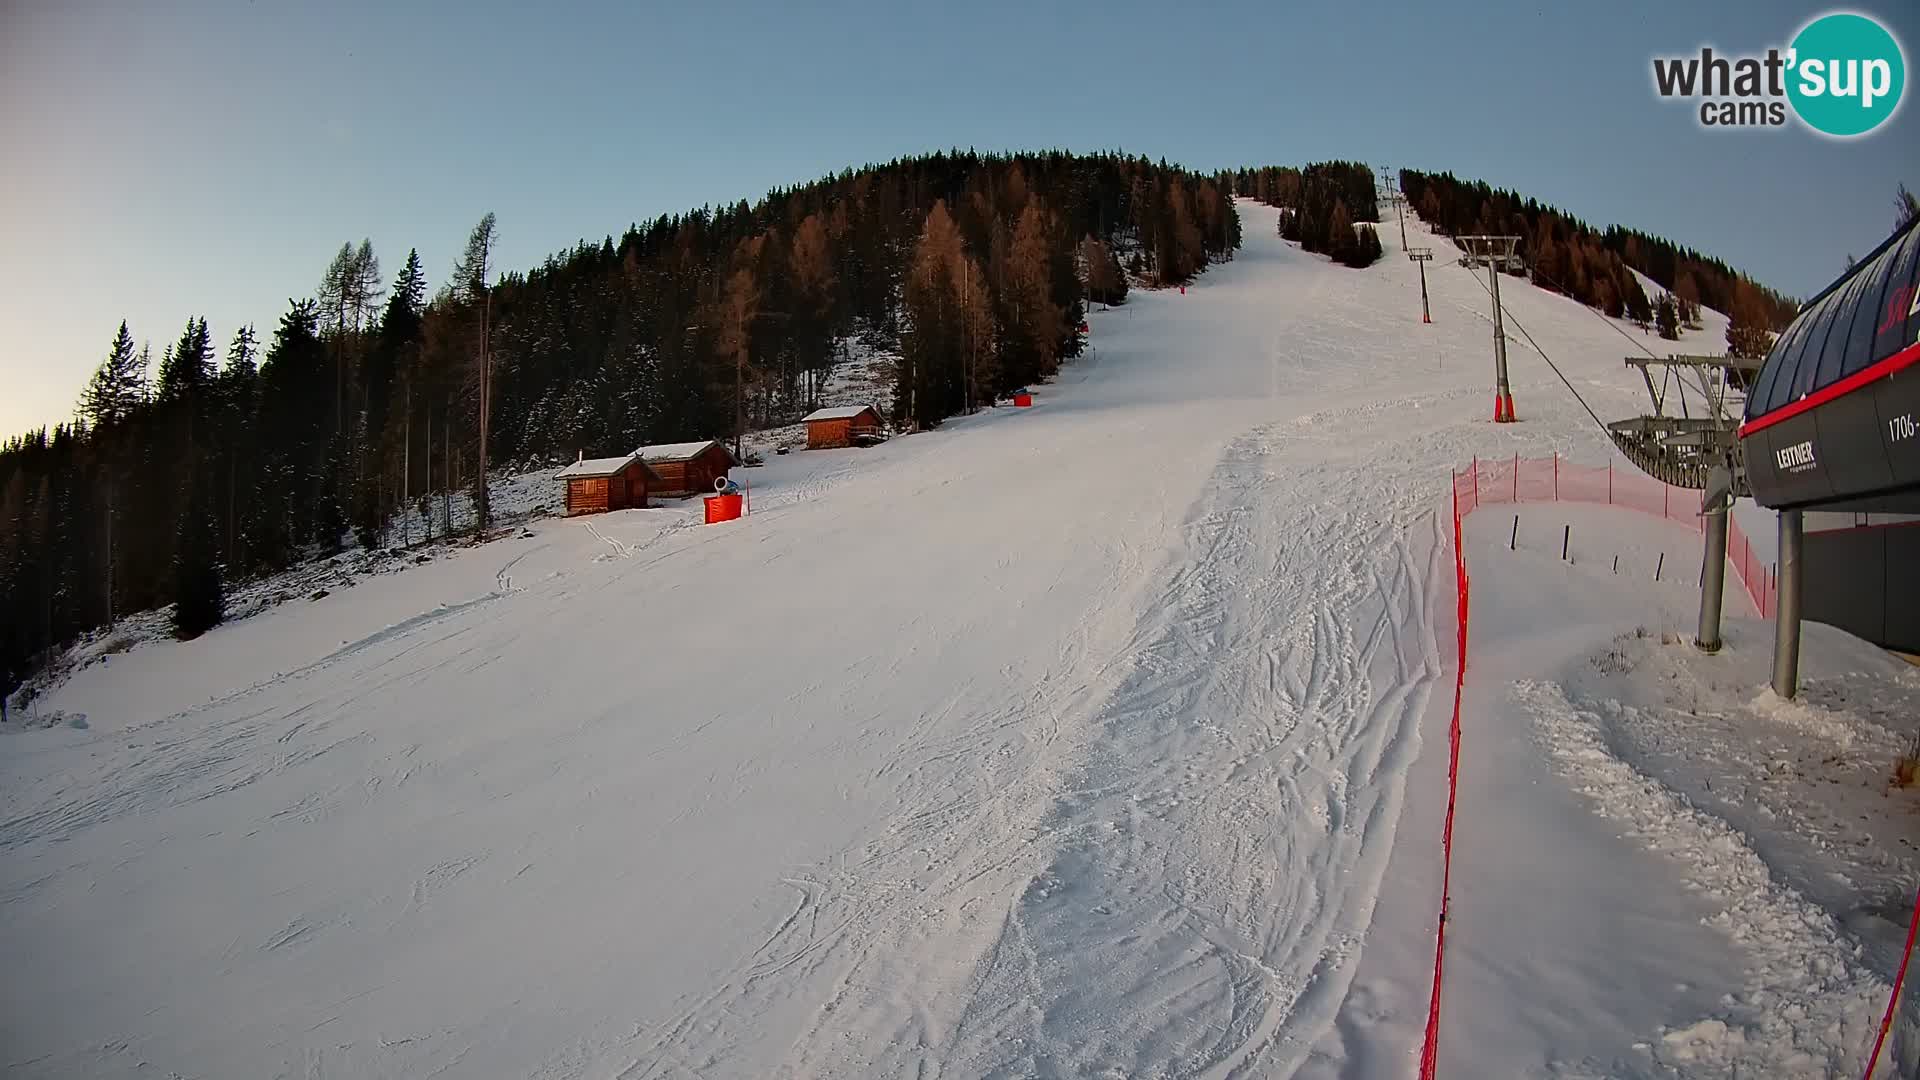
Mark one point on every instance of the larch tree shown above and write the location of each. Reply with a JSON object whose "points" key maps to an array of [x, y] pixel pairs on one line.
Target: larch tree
{"points": [[815, 289], [734, 317], [947, 348], [1747, 333], [1686, 295]]}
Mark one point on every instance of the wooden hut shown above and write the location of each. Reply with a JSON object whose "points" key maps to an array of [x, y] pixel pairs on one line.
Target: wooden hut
{"points": [[688, 468], [597, 485], [847, 425]]}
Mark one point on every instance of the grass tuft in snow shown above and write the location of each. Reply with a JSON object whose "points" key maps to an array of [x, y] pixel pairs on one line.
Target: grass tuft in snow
{"points": [[1906, 768]]}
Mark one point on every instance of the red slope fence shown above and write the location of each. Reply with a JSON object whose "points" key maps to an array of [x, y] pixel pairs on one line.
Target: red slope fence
{"points": [[1430, 1047], [1529, 480], [1516, 480]]}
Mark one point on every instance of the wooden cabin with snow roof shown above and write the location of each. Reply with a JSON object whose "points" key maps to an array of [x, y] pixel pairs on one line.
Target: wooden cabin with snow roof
{"points": [[687, 468], [848, 425], [598, 485]]}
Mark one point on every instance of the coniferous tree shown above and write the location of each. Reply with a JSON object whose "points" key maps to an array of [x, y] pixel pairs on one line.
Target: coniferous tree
{"points": [[471, 287], [118, 386], [187, 367], [235, 401], [1366, 247], [199, 599], [389, 359], [1667, 318], [1639, 309]]}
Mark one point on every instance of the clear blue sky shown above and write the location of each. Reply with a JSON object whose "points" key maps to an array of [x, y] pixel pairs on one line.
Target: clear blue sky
{"points": [[165, 160]]}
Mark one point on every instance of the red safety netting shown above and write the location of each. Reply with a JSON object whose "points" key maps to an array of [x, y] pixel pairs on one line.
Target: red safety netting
{"points": [[1886, 1021], [1430, 1047], [1517, 480]]}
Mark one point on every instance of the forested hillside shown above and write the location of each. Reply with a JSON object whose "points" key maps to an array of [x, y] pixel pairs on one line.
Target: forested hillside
{"points": [[1569, 256], [367, 400], [1327, 207]]}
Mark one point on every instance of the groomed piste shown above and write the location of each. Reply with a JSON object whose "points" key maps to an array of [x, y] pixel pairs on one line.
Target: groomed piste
{"points": [[1105, 737]]}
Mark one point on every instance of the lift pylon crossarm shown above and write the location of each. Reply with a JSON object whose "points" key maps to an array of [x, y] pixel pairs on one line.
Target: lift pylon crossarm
{"points": [[1685, 450]]}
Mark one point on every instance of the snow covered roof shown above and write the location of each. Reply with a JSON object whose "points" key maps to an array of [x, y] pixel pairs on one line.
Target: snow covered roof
{"points": [[605, 466], [680, 451], [843, 412]]}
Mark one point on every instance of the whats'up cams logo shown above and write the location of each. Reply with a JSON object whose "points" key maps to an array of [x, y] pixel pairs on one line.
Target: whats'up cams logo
{"points": [[1842, 75]]}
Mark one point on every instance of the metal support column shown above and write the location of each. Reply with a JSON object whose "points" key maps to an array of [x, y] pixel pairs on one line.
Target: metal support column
{"points": [[1713, 582], [1786, 616], [1498, 251], [1502, 393]]}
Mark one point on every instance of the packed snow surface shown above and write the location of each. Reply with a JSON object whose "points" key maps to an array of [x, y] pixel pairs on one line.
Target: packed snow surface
{"points": [[1094, 739]]}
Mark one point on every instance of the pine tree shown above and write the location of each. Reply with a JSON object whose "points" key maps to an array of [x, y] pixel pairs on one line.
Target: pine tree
{"points": [[1906, 207], [470, 285], [199, 597], [1667, 318], [240, 354], [1340, 239], [236, 398], [1639, 309], [1366, 247], [187, 369], [119, 385]]}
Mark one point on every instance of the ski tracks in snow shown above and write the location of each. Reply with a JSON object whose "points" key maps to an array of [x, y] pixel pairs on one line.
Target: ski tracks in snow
{"points": [[1215, 863]]}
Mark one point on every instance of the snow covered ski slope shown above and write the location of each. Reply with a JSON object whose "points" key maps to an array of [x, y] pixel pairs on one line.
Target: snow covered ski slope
{"points": [[1084, 740]]}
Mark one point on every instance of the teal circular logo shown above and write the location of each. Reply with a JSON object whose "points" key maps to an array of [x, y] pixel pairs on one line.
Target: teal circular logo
{"points": [[1846, 74]]}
